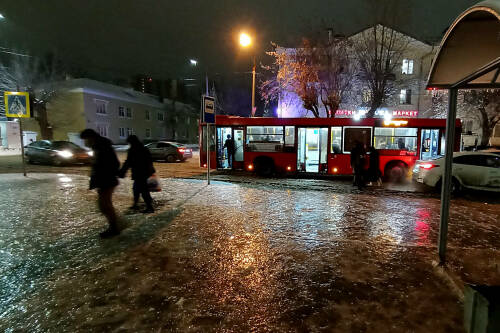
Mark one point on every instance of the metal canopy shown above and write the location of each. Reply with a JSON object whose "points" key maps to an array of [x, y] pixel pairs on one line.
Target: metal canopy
{"points": [[469, 57], [470, 50]]}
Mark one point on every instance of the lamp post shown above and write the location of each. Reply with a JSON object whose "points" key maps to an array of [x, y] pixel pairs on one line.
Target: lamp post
{"points": [[246, 41]]}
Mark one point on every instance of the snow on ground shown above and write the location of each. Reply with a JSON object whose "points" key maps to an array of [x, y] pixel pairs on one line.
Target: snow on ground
{"points": [[234, 257]]}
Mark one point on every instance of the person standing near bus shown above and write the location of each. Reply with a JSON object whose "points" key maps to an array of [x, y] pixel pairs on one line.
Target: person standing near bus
{"points": [[374, 166], [229, 145], [358, 164]]}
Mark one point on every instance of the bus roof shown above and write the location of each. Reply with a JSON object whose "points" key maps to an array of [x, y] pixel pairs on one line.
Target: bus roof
{"points": [[320, 122]]}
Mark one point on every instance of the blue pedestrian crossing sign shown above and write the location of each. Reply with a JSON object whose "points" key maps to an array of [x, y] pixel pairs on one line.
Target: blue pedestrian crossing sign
{"points": [[208, 109], [17, 104]]}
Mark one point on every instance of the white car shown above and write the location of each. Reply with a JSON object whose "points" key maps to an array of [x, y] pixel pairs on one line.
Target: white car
{"points": [[471, 170]]}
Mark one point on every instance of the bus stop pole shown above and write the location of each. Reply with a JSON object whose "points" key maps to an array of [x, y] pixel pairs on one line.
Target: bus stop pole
{"points": [[208, 154], [446, 178]]}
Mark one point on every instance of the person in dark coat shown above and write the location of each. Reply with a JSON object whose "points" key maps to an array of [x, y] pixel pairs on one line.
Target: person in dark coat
{"points": [[229, 144], [103, 177], [374, 167], [140, 161], [357, 163]]}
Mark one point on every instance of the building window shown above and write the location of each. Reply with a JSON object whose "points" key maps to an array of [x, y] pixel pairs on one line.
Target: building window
{"points": [[148, 117], [367, 96], [101, 106], [121, 112], [407, 67], [160, 116], [102, 129], [405, 96], [130, 131], [148, 132], [129, 113], [121, 131]]}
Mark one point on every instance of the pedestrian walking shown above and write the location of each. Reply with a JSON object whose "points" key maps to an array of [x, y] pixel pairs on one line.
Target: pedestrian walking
{"points": [[140, 161], [103, 177], [374, 166], [357, 163], [229, 145]]}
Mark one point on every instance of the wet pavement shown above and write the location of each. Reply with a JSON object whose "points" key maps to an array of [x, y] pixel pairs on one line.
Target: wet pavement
{"points": [[297, 256]]}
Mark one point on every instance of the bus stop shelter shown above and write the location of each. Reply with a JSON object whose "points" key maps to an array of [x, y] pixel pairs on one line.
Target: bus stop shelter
{"points": [[468, 58]]}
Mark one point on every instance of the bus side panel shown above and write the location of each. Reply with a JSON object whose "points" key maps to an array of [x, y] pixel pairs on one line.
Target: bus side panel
{"points": [[282, 161], [203, 159], [340, 162]]}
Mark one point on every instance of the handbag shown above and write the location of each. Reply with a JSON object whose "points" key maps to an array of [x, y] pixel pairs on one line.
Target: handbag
{"points": [[154, 184]]}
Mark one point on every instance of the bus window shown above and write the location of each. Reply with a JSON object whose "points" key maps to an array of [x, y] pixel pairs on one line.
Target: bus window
{"points": [[353, 134], [395, 138], [265, 138], [289, 139], [290, 136], [336, 140]]}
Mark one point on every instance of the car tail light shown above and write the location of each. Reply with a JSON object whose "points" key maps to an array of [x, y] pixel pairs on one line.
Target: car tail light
{"points": [[181, 150], [428, 166]]}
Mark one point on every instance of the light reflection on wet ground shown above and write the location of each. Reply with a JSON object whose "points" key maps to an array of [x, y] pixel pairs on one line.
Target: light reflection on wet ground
{"points": [[230, 257]]}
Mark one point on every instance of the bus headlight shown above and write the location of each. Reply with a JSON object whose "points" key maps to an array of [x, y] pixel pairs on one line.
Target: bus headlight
{"points": [[90, 153], [65, 153]]}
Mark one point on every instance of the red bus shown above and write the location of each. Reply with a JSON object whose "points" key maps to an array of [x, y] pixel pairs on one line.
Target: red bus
{"points": [[322, 145]]}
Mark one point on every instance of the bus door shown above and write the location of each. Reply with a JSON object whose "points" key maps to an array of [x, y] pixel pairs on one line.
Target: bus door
{"points": [[429, 144], [239, 146], [312, 149], [222, 157]]}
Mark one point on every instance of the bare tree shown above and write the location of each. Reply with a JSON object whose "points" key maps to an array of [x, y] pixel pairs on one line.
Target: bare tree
{"points": [[379, 52], [37, 77], [482, 105], [319, 72]]}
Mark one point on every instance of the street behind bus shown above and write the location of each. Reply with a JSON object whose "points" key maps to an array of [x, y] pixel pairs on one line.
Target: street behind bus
{"points": [[269, 255]]}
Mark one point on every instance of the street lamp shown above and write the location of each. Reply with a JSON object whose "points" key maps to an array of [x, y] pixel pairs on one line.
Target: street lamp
{"points": [[193, 62], [1, 16], [246, 41]]}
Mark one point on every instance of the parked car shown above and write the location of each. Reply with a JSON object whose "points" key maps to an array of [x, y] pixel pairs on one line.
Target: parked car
{"points": [[57, 153], [471, 170], [169, 151]]}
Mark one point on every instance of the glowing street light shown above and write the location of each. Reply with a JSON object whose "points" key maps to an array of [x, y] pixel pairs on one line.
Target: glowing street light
{"points": [[193, 62], [2, 17], [245, 40]]}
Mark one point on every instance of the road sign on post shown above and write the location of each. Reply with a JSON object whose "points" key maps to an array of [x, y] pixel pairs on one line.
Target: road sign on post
{"points": [[208, 109], [17, 105]]}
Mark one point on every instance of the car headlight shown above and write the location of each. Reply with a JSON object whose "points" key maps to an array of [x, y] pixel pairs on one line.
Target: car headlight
{"points": [[65, 153], [90, 153]]}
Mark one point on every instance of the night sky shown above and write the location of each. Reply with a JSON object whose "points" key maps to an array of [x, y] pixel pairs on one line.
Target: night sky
{"points": [[123, 38]]}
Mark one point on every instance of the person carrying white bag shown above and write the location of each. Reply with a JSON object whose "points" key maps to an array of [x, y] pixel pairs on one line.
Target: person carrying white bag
{"points": [[140, 161]]}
